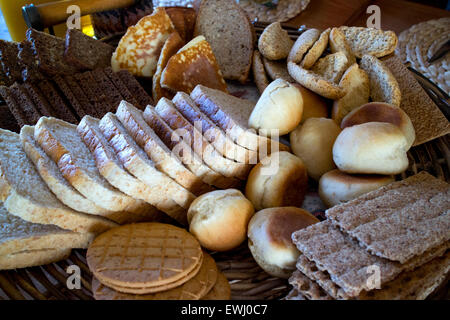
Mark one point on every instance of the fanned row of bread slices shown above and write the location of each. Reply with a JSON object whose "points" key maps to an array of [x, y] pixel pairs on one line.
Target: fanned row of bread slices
{"points": [[129, 166]]}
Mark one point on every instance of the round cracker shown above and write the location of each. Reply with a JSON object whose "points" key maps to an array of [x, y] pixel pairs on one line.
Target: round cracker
{"points": [[303, 44], [277, 69], [317, 50], [221, 290], [194, 289], [144, 255]]}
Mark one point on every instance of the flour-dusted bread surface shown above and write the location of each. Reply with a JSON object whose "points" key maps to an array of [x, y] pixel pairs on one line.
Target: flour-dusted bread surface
{"points": [[227, 28], [27, 196], [113, 171], [62, 143], [170, 197], [383, 85], [275, 43], [371, 41], [140, 47], [50, 173], [132, 119]]}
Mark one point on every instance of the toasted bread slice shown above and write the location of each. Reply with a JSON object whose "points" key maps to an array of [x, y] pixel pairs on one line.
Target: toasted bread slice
{"points": [[132, 119], [339, 43], [302, 45], [377, 43], [383, 85], [331, 67], [171, 46], [171, 197], [226, 167], [139, 48], [193, 64], [355, 82], [275, 43], [259, 73], [27, 196], [315, 82], [317, 49]]}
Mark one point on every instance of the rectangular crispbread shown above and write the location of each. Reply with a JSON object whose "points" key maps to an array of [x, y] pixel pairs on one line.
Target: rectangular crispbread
{"points": [[428, 121], [307, 288], [348, 264], [398, 221]]}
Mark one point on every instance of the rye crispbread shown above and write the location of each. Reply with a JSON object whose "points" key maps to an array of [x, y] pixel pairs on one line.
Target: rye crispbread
{"points": [[428, 121], [308, 288], [347, 263], [398, 221], [294, 295]]}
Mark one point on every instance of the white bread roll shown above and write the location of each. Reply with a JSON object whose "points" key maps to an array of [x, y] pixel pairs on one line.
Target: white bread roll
{"points": [[269, 238], [371, 148], [314, 106], [336, 187], [280, 107], [279, 180], [313, 143], [382, 112], [219, 219]]}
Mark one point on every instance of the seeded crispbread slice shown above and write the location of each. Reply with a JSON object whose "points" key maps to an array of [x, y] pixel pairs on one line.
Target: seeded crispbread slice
{"points": [[302, 45], [348, 264], [317, 49], [398, 227], [331, 67], [295, 295], [339, 43], [308, 288], [259, 73], [383, 85], [370, 41]]}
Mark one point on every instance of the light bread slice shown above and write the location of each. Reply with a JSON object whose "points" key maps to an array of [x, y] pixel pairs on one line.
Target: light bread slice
{"points": [[110, 167], [339, 43], [26, 195], [50, 173], [383, 85], [259, 72], [317, 49], [231, 114], [315, 82], [331, 67], [302, 45], [32, 258], [228, 168], [223, 143], [356, 83], [171, 46], [371, 41], [132, 119], [61, 141], [275, 43], [180, 149], [139, 49], [193, 64], [171, 197]]}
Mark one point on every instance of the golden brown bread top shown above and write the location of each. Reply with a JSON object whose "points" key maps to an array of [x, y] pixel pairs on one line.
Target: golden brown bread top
{"points": [[348, 179], [183, 20], [374, 112]]}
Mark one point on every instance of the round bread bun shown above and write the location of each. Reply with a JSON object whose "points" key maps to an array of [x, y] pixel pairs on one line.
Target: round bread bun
{"points": [[314, 106], [336, 187], [279, 180], [371, 148], [269, 238], [382, 112], [219, 219], [313, 143], [280, 107]]}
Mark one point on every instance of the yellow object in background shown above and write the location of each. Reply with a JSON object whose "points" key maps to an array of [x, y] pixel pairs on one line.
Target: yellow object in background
{"points": [[12, 12]]}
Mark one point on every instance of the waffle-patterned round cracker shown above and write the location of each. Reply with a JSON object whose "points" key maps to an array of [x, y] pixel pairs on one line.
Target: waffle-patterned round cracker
{"points": [[193, 289], [221, 290], [144, 255]]}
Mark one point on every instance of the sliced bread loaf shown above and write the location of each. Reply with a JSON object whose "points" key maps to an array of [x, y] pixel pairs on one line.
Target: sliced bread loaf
{"points": [[27, 196], [14, 106], [132, 119], [223, 144], [177, 143], [62, 143], [227, 28], [171, 197], [50, 173], [110, 167], [231, 114], [228, 168]]}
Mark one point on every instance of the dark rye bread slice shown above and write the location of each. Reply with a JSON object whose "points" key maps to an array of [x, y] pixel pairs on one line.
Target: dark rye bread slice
{"points": [[28, 63], [348, 264], [25, 103], [118, 83], [66, 89], [39, 100], [10, 70], [398, 221], [81, 96], [98, 99], [7, 119], [135, 88], [228, 30], [49, 52], [61, 109], [85, 52], [13, 106], [106, 86]]}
